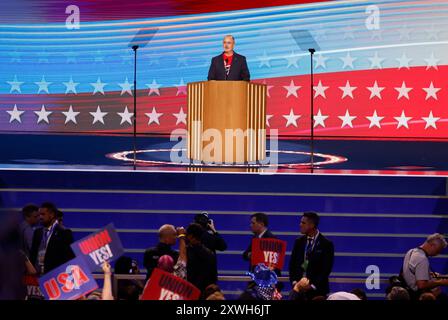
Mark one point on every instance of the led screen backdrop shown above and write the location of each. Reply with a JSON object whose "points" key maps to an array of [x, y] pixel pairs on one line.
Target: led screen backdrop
{"points": [[381, 70]]}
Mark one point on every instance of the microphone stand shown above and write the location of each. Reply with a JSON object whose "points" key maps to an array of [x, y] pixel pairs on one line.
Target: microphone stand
{"points": [[311, 50], [135, 47]]}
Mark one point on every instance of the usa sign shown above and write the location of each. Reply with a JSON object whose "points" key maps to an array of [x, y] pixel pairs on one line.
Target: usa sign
{"points": [[70, 281]]}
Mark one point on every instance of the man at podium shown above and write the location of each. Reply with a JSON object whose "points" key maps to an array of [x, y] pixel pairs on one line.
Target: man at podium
{"points": [[229, 65]]}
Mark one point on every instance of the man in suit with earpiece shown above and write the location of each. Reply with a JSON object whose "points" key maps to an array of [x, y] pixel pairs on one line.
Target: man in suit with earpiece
{"points": [[312, 257], [51, 243]]}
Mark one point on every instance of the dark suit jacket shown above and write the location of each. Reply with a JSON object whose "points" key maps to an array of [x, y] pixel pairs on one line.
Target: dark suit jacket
{"points": [[238, 69], [152, 255], [58, 249], [202, 269], [320, 263], [213, 241]]}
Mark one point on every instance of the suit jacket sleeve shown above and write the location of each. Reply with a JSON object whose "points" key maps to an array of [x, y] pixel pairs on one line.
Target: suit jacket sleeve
{"points": [[327, 265], [246, 253], [148, 262], [35, 246], [68, 237], [245, 74], [211, 71], [220, 243], [294, 263]]}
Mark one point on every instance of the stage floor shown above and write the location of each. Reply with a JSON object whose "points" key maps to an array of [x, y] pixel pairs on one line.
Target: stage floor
{"points": [[89, 152]]}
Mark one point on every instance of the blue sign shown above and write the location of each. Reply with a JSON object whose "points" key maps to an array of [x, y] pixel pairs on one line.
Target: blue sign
{"points": [[99, 247], [70, 281]]}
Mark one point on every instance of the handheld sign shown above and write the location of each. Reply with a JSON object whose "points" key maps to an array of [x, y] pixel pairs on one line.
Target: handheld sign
{"points": [[269, 251], [70, 281], [32, 288], [99, 247], [166, 286]]}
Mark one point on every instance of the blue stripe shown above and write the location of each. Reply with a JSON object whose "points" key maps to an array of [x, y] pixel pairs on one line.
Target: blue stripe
{"points": [[331, 17], [206, 182]]}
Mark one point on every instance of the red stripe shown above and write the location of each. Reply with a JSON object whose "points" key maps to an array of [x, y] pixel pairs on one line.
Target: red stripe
{"points": [[279, 105]]}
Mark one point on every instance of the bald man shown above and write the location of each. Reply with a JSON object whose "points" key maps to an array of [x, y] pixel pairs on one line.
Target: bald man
{"points": [[229, 65], [167, 239]]}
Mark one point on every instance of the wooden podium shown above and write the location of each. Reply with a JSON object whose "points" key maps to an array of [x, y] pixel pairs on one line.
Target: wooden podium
{"points": [[226, 121]]}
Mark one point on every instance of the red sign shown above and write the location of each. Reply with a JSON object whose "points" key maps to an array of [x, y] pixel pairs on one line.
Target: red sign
{"points": [[166, 286], [32, 287], [269, 251]]}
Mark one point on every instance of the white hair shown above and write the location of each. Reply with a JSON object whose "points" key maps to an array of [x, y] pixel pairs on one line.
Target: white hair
{"points": [[437, 237], [229, 35]]}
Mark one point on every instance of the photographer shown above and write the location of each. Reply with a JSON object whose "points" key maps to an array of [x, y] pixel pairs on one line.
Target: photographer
{"points": [[210, 238], [417, 272]]}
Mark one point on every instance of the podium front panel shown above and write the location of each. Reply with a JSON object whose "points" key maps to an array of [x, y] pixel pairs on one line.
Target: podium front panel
{"points": [[226, 121]]}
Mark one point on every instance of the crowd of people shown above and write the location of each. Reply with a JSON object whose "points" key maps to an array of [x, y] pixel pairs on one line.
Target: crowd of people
{"points": [[44, 244]]}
